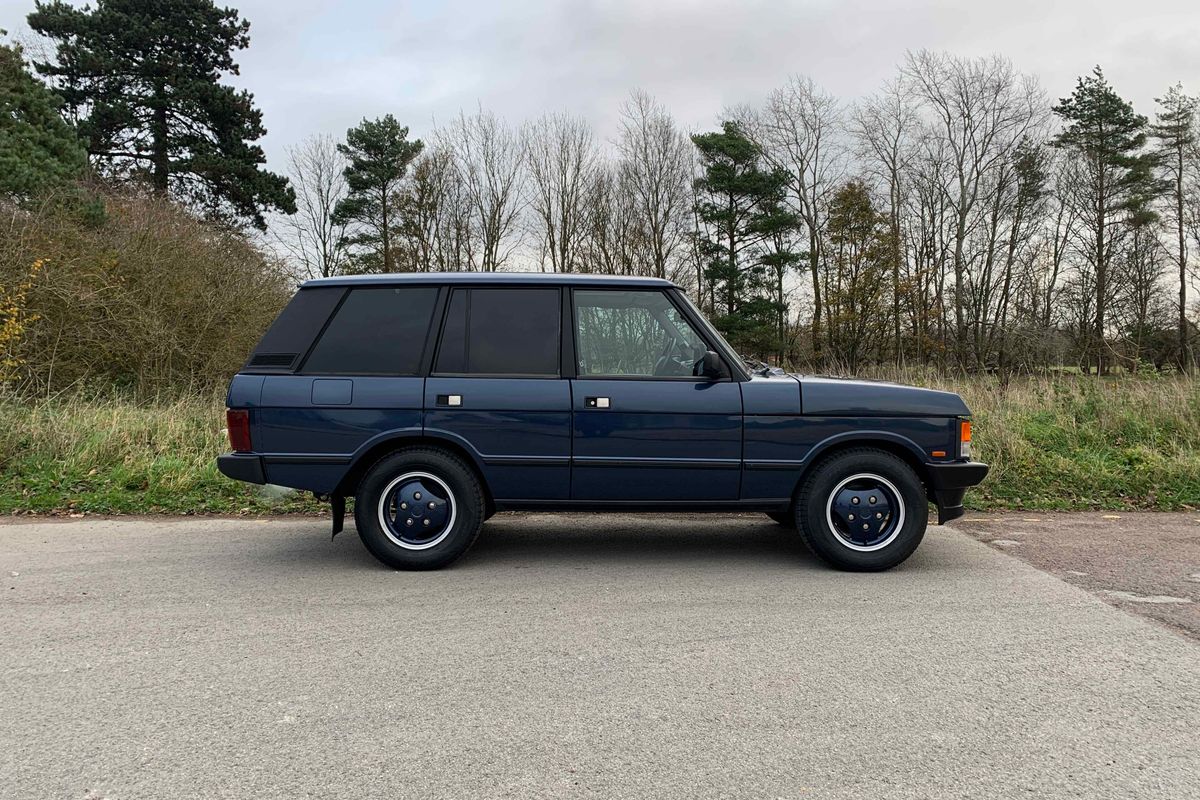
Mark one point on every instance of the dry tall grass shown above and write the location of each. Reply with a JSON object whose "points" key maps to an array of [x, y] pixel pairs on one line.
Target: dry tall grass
{"points": [[116, 456], [1079, 443]]}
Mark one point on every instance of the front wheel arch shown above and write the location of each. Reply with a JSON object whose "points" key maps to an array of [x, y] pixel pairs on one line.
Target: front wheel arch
{"points": [[899, 448]]}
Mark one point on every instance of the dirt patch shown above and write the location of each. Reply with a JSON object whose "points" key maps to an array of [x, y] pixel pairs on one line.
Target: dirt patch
{"points": [[1146, 563]]}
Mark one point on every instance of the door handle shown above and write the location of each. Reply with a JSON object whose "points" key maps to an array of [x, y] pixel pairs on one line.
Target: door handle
{"points": [[449, 399], [596, 402]]}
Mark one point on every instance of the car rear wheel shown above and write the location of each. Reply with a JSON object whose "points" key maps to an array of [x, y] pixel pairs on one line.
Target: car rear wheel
{"points": [[862, 510], [419, 508]]}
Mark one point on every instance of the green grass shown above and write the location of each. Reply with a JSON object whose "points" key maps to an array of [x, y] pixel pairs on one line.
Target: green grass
{"points": [[116, 457], [1053, 443], [1088, 444]]}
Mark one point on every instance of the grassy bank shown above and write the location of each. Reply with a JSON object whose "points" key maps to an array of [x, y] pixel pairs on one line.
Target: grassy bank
{"points": [[1065, 443], [115, 457]]}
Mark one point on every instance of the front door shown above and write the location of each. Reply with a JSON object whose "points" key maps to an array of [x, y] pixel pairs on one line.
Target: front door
{"points": [[646, 427]]}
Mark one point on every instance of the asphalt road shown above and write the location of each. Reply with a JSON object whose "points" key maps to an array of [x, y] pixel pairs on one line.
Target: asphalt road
{"points": [[1147, 564], [570, 656]]}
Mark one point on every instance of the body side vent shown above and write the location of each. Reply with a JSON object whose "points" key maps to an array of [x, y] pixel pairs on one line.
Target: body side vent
{"points": [[277, 360]]}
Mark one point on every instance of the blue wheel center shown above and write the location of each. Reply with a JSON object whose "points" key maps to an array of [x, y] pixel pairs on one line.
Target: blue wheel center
{"points": [[864, 512], [417, 510]]}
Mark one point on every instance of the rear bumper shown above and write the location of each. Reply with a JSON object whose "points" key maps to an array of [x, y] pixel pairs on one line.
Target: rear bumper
{"points": [[242, 467], [948, 483]]}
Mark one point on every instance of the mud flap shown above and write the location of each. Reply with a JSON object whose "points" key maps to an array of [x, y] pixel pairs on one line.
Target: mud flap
{"points": [[337, 509]]}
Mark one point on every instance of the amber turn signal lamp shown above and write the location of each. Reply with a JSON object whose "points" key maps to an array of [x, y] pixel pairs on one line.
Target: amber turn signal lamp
{"points": [[964, 439]]}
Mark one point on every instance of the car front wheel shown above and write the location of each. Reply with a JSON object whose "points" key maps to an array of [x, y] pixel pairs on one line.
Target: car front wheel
{"points": [[862, 510], [419, 508]]}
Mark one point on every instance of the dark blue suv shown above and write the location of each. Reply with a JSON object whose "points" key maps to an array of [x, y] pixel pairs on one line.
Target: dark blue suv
{"points": [[435, 400]]}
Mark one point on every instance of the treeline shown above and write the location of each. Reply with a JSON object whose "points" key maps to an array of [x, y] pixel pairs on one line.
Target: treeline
{"points": [[957, 218]]}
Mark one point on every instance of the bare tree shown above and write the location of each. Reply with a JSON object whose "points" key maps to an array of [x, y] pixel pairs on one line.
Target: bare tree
{"points": [[488, 159], [310, 239], [612, 243], [1175, 130], [801, 130], [883, 125], [562, 159], [432, 228], [656, 159], [982, 109]]}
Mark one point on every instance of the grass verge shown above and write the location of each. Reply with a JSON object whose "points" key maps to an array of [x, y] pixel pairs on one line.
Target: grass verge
{"points": [[1054, 444]]}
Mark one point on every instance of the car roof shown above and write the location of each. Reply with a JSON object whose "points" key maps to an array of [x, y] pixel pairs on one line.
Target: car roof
{"points": [[490, 278]]}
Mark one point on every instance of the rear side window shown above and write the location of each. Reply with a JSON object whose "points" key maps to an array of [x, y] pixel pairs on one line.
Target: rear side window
{"points": [[376, 331], [501, 332], [293, 331]]}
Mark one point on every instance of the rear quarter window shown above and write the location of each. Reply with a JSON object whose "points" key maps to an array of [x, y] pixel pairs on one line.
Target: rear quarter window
{"points": [[375, 331], [293, 331]]}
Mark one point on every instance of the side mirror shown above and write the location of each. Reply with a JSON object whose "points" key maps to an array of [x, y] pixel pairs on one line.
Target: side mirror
{"points": [[711, 366]]}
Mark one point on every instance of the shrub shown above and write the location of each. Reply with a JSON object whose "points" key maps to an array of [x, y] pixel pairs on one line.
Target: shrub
{"points": [[149, 299]]}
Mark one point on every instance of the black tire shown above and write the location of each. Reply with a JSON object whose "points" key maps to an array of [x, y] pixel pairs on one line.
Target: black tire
{"points": [[785, 518], [897, 512], [443, 508]]}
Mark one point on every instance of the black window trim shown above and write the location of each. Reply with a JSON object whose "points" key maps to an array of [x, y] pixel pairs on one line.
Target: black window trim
{"points": [[699, 330], [422, 369], [441, 332], [568, 361]]}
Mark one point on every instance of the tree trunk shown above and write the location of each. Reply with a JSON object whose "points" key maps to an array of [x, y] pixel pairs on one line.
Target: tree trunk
{"points": [[158, 135], [385, 231], [1185, 361], [731, 283], [895, 224], [1101, 274], [815, 267]]}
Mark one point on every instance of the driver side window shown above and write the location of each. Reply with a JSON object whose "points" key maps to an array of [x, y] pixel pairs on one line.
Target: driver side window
{"points": [[634, 333]]}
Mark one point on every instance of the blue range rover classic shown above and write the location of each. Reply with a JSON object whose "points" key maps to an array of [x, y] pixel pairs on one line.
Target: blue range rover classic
{"points": [[436, 399]]}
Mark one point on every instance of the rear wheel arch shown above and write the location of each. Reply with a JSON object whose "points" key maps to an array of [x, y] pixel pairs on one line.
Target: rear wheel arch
{"points": [[369, 457]]}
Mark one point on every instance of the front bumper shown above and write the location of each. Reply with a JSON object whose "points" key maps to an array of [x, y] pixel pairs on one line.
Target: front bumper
{"points": [[242, 467], [948, 483]]}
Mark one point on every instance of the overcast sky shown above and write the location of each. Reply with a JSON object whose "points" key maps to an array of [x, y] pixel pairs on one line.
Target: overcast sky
{"points": [[318, 65]]}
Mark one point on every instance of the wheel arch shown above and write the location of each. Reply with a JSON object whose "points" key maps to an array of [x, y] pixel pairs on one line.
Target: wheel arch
{"points": [[380, 446], [900, 446]]}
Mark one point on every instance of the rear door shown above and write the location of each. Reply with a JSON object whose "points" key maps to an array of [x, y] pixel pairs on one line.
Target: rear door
{"points": [[495, 388], [646, 427]]}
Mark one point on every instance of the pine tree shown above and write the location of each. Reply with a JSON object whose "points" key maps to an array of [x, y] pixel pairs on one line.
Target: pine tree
{"points": [[38, 149], [379, 153], [1104, 131], [143, 79], [739, 204], [1175, 130]]}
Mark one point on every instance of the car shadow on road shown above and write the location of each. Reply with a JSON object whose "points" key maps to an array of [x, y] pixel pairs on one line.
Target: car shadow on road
{"points": [[614, 538], [582, 539]]}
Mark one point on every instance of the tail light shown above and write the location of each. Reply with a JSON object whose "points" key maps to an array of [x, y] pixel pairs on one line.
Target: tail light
{"points": [[237, 420], [964, 438]]}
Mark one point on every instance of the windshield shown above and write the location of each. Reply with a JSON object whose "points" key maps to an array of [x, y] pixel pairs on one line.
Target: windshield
{"points": [[713, 332]]}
